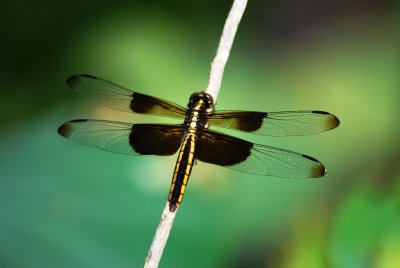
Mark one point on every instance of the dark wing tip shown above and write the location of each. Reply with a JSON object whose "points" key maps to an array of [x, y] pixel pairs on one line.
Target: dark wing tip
{"points": [[65, 130], [331, 120], [318, 169], [74, 80]]}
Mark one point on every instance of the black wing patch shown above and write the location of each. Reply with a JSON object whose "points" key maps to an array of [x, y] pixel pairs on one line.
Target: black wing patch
{"points": [[125, 138], [224, 150], [290, 123], [120, 98]]}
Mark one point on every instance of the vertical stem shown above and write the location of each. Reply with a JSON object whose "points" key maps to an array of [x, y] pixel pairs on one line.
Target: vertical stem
{"points": [[160, 237], [214, 84], [224, 48]]}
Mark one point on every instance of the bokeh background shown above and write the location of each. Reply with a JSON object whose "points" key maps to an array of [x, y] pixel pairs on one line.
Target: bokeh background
{"points": [[66, 205]]}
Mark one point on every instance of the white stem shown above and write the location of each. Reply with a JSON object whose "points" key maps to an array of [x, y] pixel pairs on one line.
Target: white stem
{"points": [[214, 84], [224, 47], [160, 238]]}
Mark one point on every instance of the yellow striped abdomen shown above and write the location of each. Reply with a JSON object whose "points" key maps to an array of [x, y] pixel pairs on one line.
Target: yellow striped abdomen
{"points": [[182, 171]]}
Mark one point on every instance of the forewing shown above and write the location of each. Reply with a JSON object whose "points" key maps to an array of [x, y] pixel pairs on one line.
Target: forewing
{"points": [[224, 150], [290, 123], [117, 97], [124, 138]]}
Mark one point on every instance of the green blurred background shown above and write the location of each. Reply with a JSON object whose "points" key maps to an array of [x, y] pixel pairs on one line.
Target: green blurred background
{"points": [[66, 205]]}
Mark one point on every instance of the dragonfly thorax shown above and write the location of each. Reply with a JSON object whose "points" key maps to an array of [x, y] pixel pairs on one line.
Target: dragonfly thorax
{"points": [[199, 107]]}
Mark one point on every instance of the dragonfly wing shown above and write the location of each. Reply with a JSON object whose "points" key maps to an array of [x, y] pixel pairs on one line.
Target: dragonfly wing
{"points": [[120, 98], [125, 138], [290, 123], [227, 151]]}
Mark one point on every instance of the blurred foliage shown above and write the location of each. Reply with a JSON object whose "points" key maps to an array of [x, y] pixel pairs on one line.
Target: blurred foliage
{"points": [[66, 205]]}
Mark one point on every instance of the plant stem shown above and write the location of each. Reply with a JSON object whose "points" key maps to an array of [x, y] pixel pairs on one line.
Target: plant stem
{"points": [[224, 48], [214, 85], [160, 237]]}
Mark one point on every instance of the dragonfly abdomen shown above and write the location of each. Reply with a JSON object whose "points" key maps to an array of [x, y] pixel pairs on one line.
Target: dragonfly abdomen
{"points": [[183, 168]]}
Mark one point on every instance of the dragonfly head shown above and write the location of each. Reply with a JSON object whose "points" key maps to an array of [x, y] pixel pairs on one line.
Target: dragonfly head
{"points": [[201, 100]]}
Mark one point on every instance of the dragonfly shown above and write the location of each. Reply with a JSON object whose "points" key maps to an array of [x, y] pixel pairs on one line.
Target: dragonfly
{"points": [[193, 138]]}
